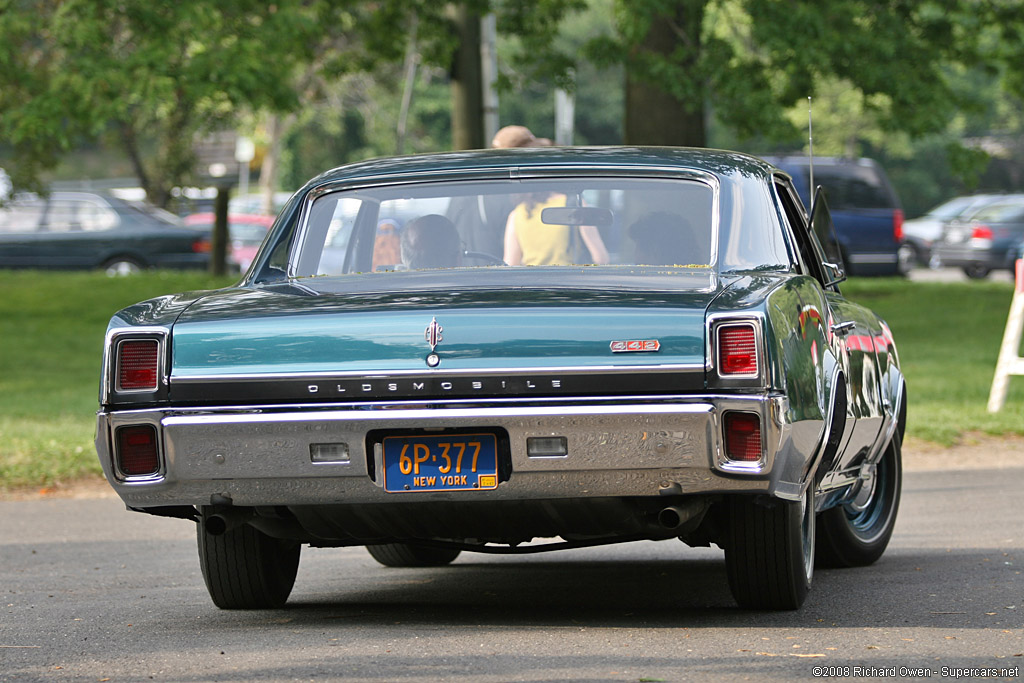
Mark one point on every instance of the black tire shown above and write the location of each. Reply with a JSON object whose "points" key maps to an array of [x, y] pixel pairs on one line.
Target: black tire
{"points": [[405, 555], [769, 554], [857, 533], [976, 272], [122, 265], [245, 569], [907, 257]]}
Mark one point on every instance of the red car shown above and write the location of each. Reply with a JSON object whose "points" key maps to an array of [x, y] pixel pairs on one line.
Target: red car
{"points": [[246, 233]]}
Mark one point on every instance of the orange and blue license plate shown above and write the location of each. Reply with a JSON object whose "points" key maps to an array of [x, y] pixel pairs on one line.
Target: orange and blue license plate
{"points": [[440, 462]]}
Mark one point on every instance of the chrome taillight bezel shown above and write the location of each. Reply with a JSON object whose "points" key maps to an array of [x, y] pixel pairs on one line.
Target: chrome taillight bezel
{"points": [[126, 420], [110, 389]]}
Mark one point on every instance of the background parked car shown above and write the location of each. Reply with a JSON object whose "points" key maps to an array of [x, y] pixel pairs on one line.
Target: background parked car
{"points": [[921, 233], [865, 209], [252, 204], [95, 230], [245, 232], [991, 238]]}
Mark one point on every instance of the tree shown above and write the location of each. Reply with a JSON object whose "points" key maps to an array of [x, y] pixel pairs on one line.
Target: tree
{"points": [[746, 61], [151, 75]]}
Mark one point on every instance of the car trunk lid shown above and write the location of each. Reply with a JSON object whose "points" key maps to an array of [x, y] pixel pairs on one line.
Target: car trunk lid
{"points": [[323, 341]]}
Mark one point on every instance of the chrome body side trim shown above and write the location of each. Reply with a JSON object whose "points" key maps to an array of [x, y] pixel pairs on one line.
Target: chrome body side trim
{"points": [[461, 372]]}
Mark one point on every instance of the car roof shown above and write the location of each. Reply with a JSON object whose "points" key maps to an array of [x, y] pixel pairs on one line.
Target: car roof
{"points": [[452, 164]]}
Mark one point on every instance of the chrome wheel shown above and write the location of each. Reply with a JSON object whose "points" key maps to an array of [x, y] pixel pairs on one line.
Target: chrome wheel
{"points": [[121, 266], [856, 533], [906, 258]]}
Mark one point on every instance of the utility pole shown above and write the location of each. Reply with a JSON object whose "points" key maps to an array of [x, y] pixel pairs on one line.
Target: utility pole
{"points": [[489, 74]]}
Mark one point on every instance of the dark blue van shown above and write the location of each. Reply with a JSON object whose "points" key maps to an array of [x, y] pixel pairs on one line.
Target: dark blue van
{"points": [[865, 209]]}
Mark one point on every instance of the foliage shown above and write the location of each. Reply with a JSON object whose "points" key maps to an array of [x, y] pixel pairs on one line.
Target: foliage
{"points": [[751, 59], [895, 79], [527, 92], [151, 77], [152, 74]]}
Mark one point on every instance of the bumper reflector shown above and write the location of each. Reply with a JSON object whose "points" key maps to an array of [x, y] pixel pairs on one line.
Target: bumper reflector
{"points": [[137, 452], [743, 437]]}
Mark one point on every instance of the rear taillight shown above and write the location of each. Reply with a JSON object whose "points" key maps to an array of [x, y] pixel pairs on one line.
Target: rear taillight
{"points": [[981, 232], [897, 225], [137, 453], [743, 437], [737, 351], [201, 247], [138, 362]]}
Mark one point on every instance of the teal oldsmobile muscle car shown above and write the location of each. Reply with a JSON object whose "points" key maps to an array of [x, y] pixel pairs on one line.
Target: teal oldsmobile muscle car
{"points": [[514, 351]]}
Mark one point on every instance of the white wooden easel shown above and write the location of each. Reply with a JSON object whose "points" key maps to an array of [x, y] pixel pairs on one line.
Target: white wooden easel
{"points": [[1009, 362]]}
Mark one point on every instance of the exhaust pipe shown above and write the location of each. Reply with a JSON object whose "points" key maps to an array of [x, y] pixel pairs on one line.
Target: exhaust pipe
{"points": [[219, 523], [673, 517]]}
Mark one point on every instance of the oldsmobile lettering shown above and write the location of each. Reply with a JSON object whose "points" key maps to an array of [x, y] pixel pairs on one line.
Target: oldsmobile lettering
{"points": [[419, 387]]}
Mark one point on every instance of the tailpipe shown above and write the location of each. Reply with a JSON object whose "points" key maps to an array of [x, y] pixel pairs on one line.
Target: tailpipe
{"points": [[673, 517], [221, 522]]}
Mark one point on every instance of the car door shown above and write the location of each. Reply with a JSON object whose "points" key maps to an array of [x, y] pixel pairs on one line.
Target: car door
{"points": [[853, 333], [19, 223], [76, 231]]}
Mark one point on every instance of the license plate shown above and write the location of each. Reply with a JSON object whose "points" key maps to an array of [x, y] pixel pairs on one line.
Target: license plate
{"points": [[440, 462]]}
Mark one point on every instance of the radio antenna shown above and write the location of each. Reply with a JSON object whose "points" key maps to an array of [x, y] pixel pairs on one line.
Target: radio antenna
{"points": [[810, 148]]}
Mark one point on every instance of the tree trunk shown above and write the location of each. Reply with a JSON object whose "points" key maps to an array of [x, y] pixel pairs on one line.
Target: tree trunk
{"points": [[657, 113], [467, 89], [219, 238], [269, 169]]}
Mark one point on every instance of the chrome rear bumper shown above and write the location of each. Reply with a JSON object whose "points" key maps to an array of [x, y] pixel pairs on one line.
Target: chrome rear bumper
{"points": [[638, 447]]}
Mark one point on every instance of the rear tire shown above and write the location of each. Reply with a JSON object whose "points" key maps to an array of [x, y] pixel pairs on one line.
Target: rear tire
{"points": [[405, 555], [907, 256], [857, 533], [769, 555], [122, 265], [976, 272], [245, 569]]}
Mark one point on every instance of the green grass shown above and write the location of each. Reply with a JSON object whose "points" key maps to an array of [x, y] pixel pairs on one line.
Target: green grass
{"points": [[52, 326], [51, 344]]}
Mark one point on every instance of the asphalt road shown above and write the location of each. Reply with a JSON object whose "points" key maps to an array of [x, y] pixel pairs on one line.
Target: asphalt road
{"points": [[91, 592]]}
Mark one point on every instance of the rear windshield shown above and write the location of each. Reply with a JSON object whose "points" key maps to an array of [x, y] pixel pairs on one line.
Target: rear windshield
{"points": [[503, 224], [1001, 213], [854, 187]]}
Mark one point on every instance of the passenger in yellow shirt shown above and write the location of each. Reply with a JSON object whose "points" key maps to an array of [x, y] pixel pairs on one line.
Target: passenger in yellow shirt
{"points": [[529, 242]]}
